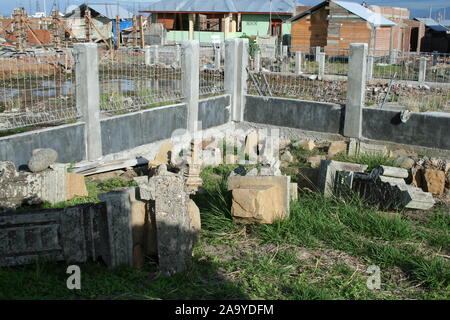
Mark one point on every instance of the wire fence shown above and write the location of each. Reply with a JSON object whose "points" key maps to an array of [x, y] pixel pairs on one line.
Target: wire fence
{"points": [[36, 89], [212, 74], [131, 80]]}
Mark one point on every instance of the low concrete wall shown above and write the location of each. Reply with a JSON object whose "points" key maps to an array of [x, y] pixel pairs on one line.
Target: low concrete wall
{"points": [[430, 129], [298, 114], [215, 111], [134, 129], [67, 140]]}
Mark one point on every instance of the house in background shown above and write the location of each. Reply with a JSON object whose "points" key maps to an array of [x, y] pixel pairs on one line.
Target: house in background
{"points": [[337, 24], [437, 37], [103, 17], [407, 34], [207, 20]]}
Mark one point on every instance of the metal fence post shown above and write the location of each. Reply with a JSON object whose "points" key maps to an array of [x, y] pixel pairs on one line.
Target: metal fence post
{"points": [[257, 65], [357, 68], [422, 69], [236, 61], [316, 53], [88, 96], [298, 62], [147, 55], [190, 80], [321, 64], [370, 62]]}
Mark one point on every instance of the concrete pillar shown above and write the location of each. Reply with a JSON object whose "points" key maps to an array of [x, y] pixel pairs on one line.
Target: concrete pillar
{"points": [[370, 62], [217, 56], [191, 26], [147, 56], [298, 63], [236, 60], [393, 55], [190, 79], [226, 29], [178, 55], [257, 66], [321, 64], [422, 69], [356, 90], [154, 53], [88, 96], [316, 53]]}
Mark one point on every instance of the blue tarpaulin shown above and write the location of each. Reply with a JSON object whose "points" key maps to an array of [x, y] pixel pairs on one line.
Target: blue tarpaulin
{"points": [[123, 25]]}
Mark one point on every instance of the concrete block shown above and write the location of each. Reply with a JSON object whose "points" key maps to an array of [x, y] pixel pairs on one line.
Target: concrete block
{"points": [[75, 186]]}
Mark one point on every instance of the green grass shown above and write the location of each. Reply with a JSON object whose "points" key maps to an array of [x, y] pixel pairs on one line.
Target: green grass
{"points": [[372, 161]]}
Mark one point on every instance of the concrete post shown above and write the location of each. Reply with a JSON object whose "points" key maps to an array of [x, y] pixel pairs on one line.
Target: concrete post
{"points": [[422, 69], [393, 54], [236, 60], [321, 64], [191, 26], [316, 54], [154, 53], [217, 57], [190, 79], [88, 96], [357, 68], [370, 62], [257, 61], [178, 55], [298, 63], [147, 55]]}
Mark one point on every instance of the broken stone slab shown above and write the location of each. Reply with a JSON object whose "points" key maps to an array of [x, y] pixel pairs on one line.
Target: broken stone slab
{"points": [[175, 230], [337, 147], [405, 163], [163, 156], [314, 161], [42, 159], [269, 171], [76, 186], [305, 144], [388, 192], [26, 188], [388, 171], [261, 204], [434, 181], [287, 157], [279, 190], [327, 174], [353, 147], [372, 149]]}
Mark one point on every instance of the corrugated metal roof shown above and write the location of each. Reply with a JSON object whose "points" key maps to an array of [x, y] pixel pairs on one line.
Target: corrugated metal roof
{"points": [[433, 24], [445, 23], [372, 17], [107, 10], [257, 6]]}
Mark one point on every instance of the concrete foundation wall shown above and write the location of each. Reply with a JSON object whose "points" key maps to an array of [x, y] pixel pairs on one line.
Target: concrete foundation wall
{"points": [[134, 129], [214, 111], [298, 114], [430, 130], [67, 140]]}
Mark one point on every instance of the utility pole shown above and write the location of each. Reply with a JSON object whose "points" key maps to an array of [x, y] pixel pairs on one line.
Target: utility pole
{"points": [[431, 9], [45, 8]]}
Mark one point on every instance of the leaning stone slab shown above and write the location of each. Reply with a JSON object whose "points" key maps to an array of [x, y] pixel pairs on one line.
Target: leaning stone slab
{"points": [[174, 228], [327, 174]]}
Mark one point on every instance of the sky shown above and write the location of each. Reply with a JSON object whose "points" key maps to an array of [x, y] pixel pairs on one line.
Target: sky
{"points": [[419, 8]]}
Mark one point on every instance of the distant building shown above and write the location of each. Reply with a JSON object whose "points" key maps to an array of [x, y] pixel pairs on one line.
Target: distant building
{"points": [[206, 20], [437, 36], [337, 24], [103, 17]]}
